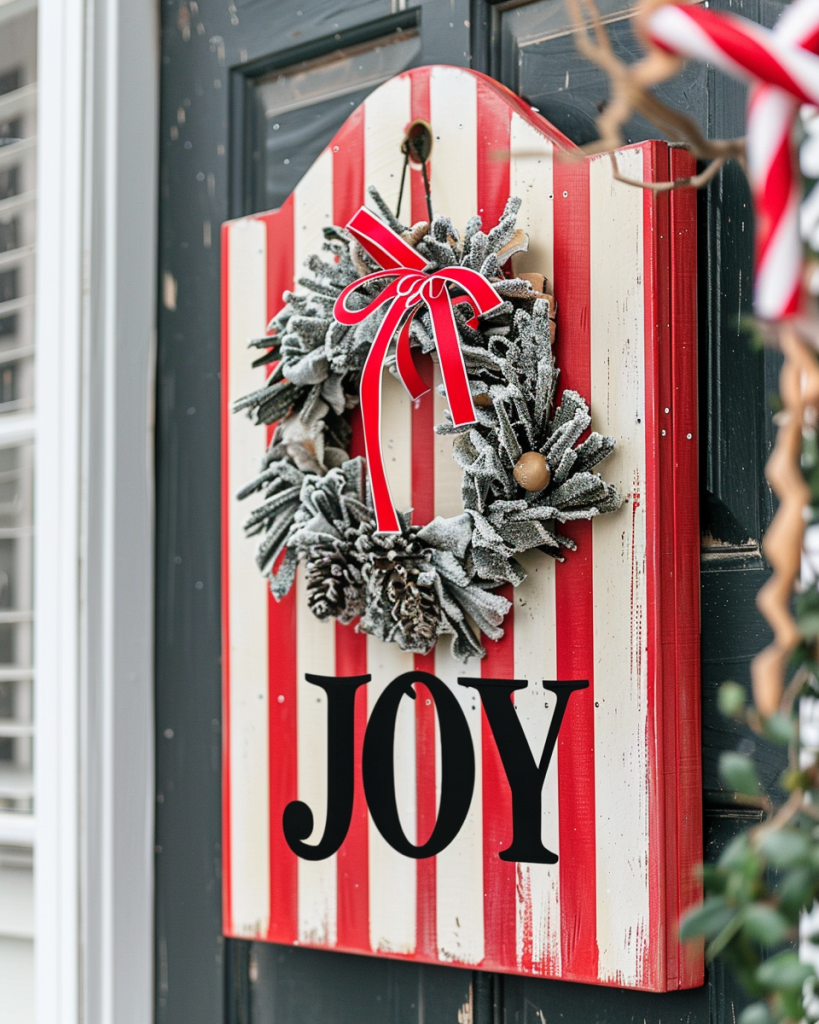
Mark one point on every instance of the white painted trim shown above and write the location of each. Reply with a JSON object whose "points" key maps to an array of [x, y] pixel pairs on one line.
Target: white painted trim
{"points": [[16, 428], [59, 300], [95, 315], [16, 829]]}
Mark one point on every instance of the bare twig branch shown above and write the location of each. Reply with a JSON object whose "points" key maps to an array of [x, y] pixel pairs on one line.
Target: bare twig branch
{"points": [[631, 94], [694, 181]]}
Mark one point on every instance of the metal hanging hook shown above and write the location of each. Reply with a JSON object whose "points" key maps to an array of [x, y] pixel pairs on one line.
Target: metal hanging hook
{"points": [[416, 147]]}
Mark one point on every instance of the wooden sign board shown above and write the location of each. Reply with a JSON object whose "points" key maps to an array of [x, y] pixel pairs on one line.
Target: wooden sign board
{"points": [[620, 804]]}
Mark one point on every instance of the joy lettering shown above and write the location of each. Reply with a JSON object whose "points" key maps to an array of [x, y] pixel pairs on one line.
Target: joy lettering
{"points": [[525, 772]]}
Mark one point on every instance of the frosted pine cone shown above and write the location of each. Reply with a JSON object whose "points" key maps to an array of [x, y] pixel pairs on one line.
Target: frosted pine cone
{"points": [[334, 586], [403, 601]]}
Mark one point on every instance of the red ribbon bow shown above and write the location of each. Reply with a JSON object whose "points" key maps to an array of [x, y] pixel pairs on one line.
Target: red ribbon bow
{"points": [[406, 294]]}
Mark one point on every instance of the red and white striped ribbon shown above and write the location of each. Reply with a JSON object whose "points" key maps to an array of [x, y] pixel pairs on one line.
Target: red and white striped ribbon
{"points": [[784, 72]]}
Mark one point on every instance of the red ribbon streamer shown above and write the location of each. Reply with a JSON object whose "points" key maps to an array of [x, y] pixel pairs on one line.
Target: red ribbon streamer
{"points": [[406, 294]]}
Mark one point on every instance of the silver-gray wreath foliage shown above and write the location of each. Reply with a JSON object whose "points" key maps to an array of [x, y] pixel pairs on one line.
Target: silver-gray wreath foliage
{"points": [[427, 581]]}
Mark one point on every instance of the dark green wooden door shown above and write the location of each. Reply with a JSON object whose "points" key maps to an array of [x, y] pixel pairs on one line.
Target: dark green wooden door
{"points": [[251, 93]]}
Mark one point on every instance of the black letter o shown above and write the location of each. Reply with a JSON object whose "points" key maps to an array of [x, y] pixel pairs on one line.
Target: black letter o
{"points": [[457, 765]]}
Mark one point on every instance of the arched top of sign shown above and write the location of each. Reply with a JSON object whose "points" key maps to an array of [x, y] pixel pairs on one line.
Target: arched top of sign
{"points": [[599, 656]]}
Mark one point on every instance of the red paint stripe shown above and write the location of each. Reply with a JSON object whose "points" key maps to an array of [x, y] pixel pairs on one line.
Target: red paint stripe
{"points": [[420, 108], [423, 501], [353, 878], [687, 556], [423, 447], [227, 876], [353, 921], [494, 128], [427, 808], [574, 596], [423, 504], [660, 961], [494, 118], [499, 876], [282, 619]]}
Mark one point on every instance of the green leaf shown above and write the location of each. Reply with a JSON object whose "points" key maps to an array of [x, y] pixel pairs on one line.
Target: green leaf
{"points": [[807, 614], [731, 699], [780, 729], [808, 623], [810, 451], [764, 924], [743, 885], [784, 971], [738, 773], [792, 1006], [756, 1013], [724, 938], [713, 879], [706, 920], [785, 847], [738, 854], [796, 890], [791, 779]]}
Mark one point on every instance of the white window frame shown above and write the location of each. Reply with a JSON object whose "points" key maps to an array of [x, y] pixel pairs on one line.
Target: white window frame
{"points": [[95, 335]]}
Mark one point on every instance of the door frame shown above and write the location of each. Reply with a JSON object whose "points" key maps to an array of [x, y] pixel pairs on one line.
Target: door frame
{"points": [[98, 104]]}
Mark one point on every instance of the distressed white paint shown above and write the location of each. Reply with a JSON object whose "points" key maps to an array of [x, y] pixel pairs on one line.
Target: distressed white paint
{"points": [[386, 115], [454, 160], [313, 210], [315, 640], [538, 893], [459, 868], [619, 541], [316, 654], [393, 876], [531, 180], [247, 590]]}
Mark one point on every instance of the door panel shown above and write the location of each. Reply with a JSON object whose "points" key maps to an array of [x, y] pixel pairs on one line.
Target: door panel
{"points": [[293, 109], [352, 989], [231, 73]]}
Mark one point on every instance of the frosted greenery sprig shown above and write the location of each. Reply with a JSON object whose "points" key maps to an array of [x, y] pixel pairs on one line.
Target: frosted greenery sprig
{"points": [[513, 375]]}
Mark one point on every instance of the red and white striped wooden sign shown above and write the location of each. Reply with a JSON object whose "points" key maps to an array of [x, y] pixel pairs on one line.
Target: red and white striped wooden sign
{"points": [[621, 802]]}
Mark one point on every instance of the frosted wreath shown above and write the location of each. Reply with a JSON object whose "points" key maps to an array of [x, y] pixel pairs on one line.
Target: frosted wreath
{"points": [[784, 72], [525, 469]]}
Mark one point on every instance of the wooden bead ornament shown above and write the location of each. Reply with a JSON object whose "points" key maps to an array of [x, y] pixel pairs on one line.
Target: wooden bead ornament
{"points": [[532, 472]]}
